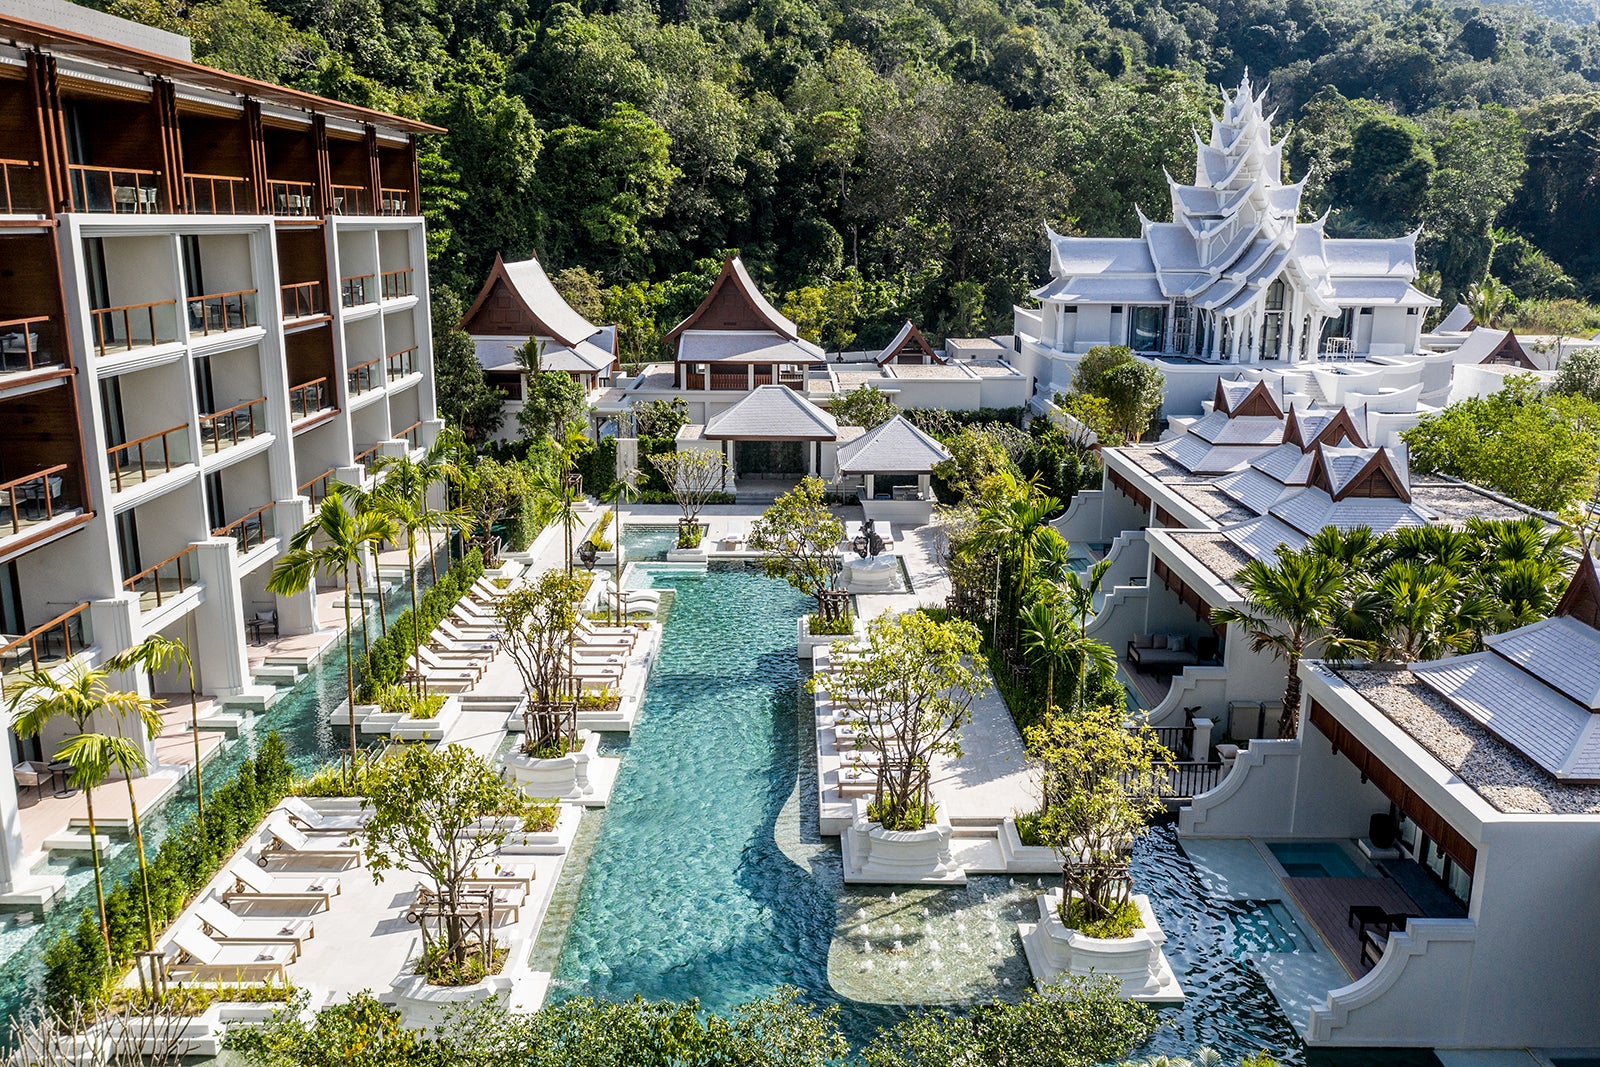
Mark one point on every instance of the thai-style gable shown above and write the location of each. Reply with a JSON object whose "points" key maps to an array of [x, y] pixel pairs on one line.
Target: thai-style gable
{"points": [[518, 302], [736, 339], [908, 347]]}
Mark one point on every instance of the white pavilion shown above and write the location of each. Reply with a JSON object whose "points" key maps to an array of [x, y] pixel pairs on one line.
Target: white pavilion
{"points": [[1235, 277]]}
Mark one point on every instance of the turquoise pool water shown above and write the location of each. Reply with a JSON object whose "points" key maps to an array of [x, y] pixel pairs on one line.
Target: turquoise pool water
{"points": [[706, 877], [1315, 859], [297, 716]]}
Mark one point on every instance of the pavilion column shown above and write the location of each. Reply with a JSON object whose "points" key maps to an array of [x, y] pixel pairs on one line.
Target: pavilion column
{"points": [[749, 376], [924, 486], [727, 469], [812, 448], [870, 487]]}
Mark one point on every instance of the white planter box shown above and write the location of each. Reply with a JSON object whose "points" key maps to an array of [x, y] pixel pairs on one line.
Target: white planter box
{"points": [[339, 714], [1138, 962], [688, 555], [808, 645], [562, 778], [421, 1005], [429, 729], [873, 855], [555, 842], [1025, 859]]}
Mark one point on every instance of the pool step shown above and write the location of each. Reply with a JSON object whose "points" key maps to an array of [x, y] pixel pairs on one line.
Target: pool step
{"points": [[75, 842], [277, 673]]}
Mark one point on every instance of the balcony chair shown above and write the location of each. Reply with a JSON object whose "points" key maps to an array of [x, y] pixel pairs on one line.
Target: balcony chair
{"points": [[31, 775]]}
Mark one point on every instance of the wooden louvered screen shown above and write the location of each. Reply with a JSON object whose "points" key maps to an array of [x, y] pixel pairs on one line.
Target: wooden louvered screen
{"points": [[1128, 489], [1191, 599]]}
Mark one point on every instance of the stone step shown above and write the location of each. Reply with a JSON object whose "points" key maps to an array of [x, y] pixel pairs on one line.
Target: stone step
{"points": [[276, 674], [75, 842]]}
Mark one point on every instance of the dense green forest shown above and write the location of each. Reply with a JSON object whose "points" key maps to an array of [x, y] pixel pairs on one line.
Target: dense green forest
{"points": [[879, 159]]}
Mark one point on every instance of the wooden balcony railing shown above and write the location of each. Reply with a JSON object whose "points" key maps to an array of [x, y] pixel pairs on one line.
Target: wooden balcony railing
{"points": [[45, 646], [317, 488], [31, 499], [302, 300], [165, 580], [311, 398], [365, 376], [411, 434], [146, 457], [351, 200], [393, 201], [118, 190], [221, 312], [251, 531], [355, 289], [293, 199], [219, 194], [26, 345], [368, 457], [21, 187], [122, 329], [396, 283], [226, 428], [402, 363]]}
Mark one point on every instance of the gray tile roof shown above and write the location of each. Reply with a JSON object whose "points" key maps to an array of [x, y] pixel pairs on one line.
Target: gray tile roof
{"points": [[745, 346], [893, 447], [772, 413]]}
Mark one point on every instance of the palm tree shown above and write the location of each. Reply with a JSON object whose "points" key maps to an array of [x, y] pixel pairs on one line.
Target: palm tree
{"points": [[556, 499], [95, 756], [1290, 605], [1488, 300], [624, 489], [1013, 525], [1521, 566], [374, 528], [411, 519], [1081, 589], [77, 696], [329, 544], [158, 653], [1049, 632], [1417, 611]]}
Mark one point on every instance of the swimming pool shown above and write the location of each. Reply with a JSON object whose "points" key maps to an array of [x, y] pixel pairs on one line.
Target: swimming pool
{"points": [[1315, 859]]}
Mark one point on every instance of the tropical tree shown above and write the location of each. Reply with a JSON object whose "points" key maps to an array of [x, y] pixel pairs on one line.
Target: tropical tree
{"points": [[1488, 300], [78, 696], [1013, 526], [694, 475], [555, 497], [1051, 634], [411, 518], [799, 538], [1416, 611], [93, 757], [488, 491], [1290, 607], [330, 544], [865, 405], [375, 527], [916, 676], [160, 654], [540, 622], [554, 400]]}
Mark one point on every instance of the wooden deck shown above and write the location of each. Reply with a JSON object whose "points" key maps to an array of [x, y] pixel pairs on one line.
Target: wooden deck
{"points": [[1327, 902], [1151, 688]]}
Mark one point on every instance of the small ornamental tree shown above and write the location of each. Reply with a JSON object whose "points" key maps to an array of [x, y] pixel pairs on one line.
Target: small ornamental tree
{"points": [[553, 402], [541, 629], [916, 681], [694, 475], [800, 538], [1100, 784], [865, 405], [660, 418], [426, 804]]}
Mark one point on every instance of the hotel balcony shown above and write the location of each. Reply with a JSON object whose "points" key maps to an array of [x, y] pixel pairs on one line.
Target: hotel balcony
{"points": [[44, 647], [368, 458], [311, 400], [403, 363], [412, 435], [365, 377], [219, 194], [293, 199], [130, 326], [250, 531], [22, 188], [217, 313], [356, 290], [396, 284], [166, 581], [36, 500], [221, 430], [114, 190], [30, 346], [145, 458], [316, 489], [352, 200], [394, 202], [304, 300]]}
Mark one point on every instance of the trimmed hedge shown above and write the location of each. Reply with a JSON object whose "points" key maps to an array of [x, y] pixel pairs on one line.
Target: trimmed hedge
{"points": [[77, 967], [385, 661]]}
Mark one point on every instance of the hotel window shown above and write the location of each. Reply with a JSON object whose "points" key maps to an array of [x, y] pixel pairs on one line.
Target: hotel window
{"points": [[1146, 328], [1182, 325]]}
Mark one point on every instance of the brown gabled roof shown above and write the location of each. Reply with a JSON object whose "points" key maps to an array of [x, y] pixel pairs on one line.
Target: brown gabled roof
{"points": [[537, 308], [734, 303], [1581, 601], [1258, 400], [908, 342], [1338, 428], [1511, 352], [1356, 472], [66, 43]]}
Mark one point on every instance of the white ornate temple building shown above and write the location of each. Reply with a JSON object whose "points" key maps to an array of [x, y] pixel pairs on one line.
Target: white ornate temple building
{"points": [[1235, 277]]}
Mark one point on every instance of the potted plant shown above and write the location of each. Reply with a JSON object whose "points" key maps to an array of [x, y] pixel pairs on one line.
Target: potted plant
{"points": [[914, 683], [695, 475], [798, 537], [540, 622], [1101, 782]]}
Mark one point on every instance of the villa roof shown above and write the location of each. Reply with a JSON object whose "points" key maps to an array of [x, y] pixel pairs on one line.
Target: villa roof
{"points": [[908, 342], [734, 303], [1485, 345], [519, 300], [772, 413], [745, 346], [500, 353], [1241, 397], [893, 447]]}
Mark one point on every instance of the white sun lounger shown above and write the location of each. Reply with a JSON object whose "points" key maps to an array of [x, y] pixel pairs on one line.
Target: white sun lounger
{"points": [[202, 959], [251, 882], [223, 926], [313, 821], [289, 840]]}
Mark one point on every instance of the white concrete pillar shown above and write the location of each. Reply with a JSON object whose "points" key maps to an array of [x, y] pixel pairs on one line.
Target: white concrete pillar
{"points": [[296, 614], [811, 458], [12, 870], [1200, 748], [749, 375], [219, 630], [870, 487]]}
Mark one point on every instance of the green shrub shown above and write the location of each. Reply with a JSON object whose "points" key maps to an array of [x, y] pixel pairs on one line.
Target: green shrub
{"points": [[817, 626], [691, 536], [1122, 922], [385, 661], [400, 700]]}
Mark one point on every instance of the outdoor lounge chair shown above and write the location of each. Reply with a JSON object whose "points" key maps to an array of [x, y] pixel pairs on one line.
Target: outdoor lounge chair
{"points": [[252, 883], [446, 645], [1154, 653], [501, 901], [442, 681], [313, 821], [447, 660], [223, 926], [201, 959], [289, 840], [517, 878], [454, 628], [614, 635], [473, 624]]}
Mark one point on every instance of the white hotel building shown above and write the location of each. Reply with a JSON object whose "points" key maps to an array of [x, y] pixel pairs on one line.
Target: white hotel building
{"points": [[214, 303]]}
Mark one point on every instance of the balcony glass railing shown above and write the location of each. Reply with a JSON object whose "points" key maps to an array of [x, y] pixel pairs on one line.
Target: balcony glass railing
{"points": [[364, 377], [402, 363], [356, 289], [393, 201], [250, 532], [230, 426], [21, 187], [303, 300], [122, 329], [368, 458], [147, 457], [219, 194], [317, 488], [352, 200], [312, 398], [396, 283], [117, 190], [293, 199], [45, 646], [221, 312], [28, 345], [33, 499], [167, 579], [412, 435]]}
